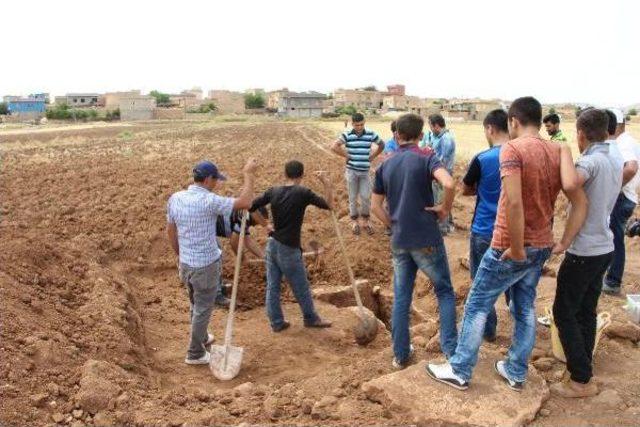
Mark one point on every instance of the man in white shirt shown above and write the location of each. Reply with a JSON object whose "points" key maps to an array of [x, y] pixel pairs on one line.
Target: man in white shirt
{"points": [[191, 228], [629, 150]]}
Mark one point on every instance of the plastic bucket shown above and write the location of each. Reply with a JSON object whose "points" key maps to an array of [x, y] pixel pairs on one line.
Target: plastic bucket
{"points": [[603, 321]]}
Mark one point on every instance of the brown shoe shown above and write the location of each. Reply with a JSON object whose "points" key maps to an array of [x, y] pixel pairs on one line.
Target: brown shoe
{"points": [[320, 323], [573, 389]]}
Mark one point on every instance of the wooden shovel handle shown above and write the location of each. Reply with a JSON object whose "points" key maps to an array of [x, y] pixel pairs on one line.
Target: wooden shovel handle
{"points": [[343, 248], [234, 290]]}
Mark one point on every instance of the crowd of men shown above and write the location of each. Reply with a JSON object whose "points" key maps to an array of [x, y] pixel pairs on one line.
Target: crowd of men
{"points": [[516, 182]]}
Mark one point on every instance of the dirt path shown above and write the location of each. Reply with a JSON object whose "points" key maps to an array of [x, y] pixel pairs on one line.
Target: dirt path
{"points": [[93, 314]]}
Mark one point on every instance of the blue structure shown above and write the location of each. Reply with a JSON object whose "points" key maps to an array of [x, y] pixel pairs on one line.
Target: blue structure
{"points": [[26, 105]]}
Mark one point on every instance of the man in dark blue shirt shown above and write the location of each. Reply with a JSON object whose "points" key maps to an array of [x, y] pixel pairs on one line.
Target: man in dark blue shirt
{"points": [[405, 181], [483, 181]]}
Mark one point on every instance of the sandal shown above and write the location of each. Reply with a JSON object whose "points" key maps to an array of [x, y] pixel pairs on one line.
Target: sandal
{"points": [[355, 227]]}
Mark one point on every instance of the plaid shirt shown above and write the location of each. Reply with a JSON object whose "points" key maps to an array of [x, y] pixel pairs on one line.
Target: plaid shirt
{"points": [[195, 211]]}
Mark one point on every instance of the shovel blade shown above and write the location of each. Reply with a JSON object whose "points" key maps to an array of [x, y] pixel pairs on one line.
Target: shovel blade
{"points": [[230, 370], [366, 329]]}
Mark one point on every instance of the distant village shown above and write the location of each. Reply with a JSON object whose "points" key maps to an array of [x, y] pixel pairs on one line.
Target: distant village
{"points": [[133, 105]]}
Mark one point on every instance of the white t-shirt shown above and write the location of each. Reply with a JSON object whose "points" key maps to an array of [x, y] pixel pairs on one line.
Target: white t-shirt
{"points": [[630, 151]]}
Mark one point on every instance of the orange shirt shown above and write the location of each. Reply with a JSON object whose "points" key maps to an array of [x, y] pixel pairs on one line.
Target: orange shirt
{"points": [[537, 162]]}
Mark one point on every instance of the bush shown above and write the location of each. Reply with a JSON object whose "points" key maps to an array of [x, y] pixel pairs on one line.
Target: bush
{"points": [[552, 110], [161, 98], [632, 112], [348, 110], [330, 115], [63, 112], [4, 109], [253, 101], [207, 108]]}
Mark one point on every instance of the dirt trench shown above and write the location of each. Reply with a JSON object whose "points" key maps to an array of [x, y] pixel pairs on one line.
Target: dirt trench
{"points": [[95, 322]]}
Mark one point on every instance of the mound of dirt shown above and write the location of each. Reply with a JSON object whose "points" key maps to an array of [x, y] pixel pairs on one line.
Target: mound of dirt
{"points": [[412, 394]]}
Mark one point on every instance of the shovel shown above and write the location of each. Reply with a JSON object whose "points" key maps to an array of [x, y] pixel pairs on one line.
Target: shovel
{"points": [[367, 329], [226, 359]]}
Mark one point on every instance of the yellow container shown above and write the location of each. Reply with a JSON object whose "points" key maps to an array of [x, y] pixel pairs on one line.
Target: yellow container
{"points": [[604, 320]]}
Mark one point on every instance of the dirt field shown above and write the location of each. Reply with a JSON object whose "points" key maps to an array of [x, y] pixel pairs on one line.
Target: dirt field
{"points": [[94, 322]]}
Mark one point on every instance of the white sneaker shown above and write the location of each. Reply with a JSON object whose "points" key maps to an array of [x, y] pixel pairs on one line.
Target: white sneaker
{"points": [[544, 321], [513, 385], [443, 372], [398, 365], [204, 360], [209, 340]]}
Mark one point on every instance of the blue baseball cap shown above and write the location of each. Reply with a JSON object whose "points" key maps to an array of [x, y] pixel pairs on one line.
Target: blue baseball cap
{"points": [[206, 168]]}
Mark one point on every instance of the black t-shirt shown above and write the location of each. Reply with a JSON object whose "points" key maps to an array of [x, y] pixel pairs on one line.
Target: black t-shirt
{"points": [[226, 225], [288, 204]]}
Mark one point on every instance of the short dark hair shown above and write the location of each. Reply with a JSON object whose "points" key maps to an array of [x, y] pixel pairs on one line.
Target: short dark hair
{"points": [[357, 117], [437, 119], [293, 169], [394, 126], [553, 118], [613, 122], [409, 126], [498, 119], [594, 123], [527, 110]]}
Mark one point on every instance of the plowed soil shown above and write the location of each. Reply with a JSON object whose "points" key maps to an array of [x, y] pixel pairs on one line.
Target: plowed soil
{"points": [[94, 321]]}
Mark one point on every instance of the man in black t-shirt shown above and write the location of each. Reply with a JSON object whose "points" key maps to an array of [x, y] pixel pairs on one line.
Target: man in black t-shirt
{"points": [[229, 227], [283, 254]]}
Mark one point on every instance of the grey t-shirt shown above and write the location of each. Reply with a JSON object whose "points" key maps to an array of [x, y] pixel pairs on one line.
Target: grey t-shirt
{"points": [[603, 179]]}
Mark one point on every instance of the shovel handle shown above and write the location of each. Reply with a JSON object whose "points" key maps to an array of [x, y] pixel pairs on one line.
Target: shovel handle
{"points": [[343, 248], [234, 290]]}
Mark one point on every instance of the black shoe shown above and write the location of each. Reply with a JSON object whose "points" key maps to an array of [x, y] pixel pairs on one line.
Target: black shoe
{"points": [[319, 323], [223, 302], [490, 338], [282, 327]]}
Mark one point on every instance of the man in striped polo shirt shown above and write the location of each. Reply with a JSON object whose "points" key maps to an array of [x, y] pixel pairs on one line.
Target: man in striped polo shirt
{"points": [[356, 146]]}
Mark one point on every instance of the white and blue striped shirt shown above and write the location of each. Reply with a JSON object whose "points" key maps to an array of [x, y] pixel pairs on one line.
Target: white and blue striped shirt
{"points": [[195, 211], [359, 148]]}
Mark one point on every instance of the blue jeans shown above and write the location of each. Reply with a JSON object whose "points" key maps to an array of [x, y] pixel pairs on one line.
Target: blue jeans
{"points": [[432, 261], [478, 245], [492, 279], [283, 260], [621, 213]]}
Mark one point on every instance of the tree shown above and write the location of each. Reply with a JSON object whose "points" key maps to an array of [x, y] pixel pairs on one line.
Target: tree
{"points": [[552, 110], [253, 101], [161, 98], [632, 112], [4, 109], [373, 88]]}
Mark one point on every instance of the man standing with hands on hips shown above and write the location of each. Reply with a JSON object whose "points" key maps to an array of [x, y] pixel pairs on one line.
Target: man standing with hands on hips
{"points": [[191, 229], [357, 147]]}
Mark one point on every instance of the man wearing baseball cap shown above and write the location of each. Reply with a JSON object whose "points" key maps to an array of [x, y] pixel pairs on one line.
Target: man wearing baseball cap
{"points": [[191, 228], [629, 150]]}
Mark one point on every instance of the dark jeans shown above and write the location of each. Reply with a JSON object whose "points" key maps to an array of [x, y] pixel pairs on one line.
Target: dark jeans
{"points": [[433, 262], [285, 261], [574, 310], [621, 213], [478, 245]]}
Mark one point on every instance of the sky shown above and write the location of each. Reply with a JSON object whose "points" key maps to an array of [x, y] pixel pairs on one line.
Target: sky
{"points": [[559, 51]]}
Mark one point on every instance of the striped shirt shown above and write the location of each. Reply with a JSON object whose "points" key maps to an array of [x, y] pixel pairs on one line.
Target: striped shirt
{"points": [[194, 212], [359, 148]]}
